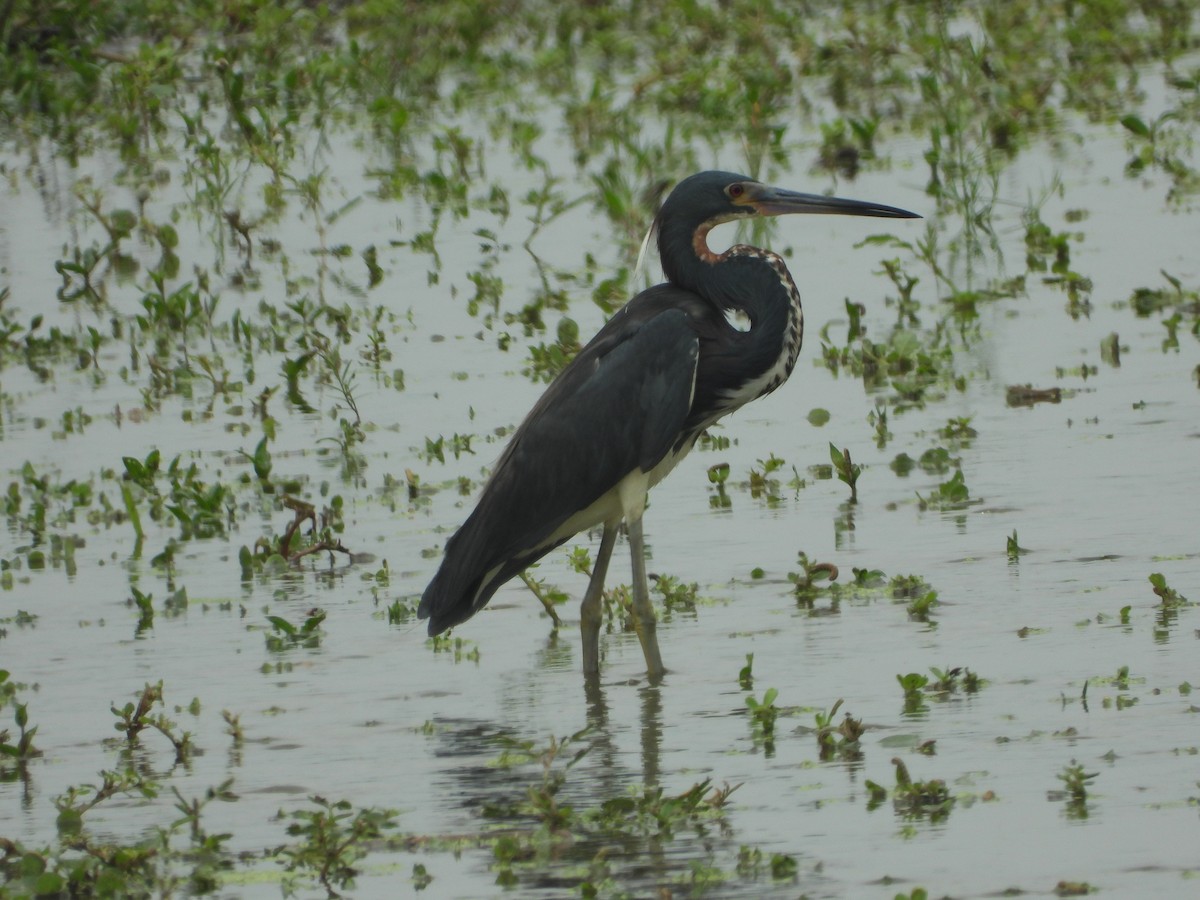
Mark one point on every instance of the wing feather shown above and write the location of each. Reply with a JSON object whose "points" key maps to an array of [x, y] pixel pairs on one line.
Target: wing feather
{"points": [[619, 406]]}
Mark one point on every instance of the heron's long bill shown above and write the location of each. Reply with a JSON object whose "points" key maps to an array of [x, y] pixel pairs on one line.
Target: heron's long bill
{"points": [[772, 201]]}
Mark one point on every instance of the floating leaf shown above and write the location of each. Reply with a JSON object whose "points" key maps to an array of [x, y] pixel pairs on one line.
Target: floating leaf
{"points": [[1136, 126]]}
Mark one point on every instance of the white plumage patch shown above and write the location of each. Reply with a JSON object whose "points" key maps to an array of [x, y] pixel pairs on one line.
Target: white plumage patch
{"points": [[737, 319]]}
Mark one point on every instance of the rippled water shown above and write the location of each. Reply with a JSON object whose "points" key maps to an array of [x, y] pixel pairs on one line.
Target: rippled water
{"points": [[1100, 488]]}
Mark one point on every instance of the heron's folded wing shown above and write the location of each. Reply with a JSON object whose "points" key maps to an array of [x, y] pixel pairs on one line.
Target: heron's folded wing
{"points": [[618, 411], [618, 407]]}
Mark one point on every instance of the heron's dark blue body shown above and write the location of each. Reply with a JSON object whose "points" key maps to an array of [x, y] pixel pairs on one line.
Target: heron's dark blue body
{"points": [[633, 402]]}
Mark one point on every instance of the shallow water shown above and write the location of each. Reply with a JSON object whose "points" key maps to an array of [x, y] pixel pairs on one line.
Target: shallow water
{"points": [[1100, 488]]}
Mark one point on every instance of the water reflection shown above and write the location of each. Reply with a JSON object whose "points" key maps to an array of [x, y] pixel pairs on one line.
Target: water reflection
{"points": [[19, 771], [562, 810]]}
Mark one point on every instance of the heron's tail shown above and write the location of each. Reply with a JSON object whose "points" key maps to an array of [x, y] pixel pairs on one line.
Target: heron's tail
{"points": [[472, 570], [454, 594]]}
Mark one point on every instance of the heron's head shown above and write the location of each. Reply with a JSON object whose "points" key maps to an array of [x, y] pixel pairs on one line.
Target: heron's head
{"points": [[711, 198], [701, 202]]}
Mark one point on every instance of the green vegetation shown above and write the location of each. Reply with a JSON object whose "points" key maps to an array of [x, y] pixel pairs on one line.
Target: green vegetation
{"points": [[1076, 783], [763, 714], [265, 269], [838, 741], [913, 800]]}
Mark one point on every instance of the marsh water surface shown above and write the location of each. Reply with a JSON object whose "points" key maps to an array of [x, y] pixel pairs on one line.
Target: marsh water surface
{"points": [[297, 269]]}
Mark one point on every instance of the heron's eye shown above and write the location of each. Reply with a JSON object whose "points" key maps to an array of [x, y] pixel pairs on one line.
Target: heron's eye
{"points": [[735, 190]]}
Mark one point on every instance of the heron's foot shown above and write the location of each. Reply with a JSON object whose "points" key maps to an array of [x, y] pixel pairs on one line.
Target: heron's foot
{"points": [[647, 634], [591, 660], [589, 631]]}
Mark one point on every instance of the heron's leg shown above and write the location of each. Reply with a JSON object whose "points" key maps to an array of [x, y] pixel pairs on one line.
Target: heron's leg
{"points": [[590, 612], [643, 612]]}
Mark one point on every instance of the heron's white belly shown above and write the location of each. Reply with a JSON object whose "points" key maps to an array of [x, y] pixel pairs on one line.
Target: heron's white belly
{"points": [[625, 500]]}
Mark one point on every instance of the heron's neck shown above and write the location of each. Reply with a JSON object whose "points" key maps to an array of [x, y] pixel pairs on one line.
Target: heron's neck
{"points": [[757, 283], [746, 280], [753, 281], [753, 363]]}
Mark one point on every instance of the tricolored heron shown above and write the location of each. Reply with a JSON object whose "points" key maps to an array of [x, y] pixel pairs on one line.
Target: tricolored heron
{"points": [[631, 404]]}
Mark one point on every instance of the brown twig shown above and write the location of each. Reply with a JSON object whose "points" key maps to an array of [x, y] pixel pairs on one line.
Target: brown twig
{"points": [[304, 512]]}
